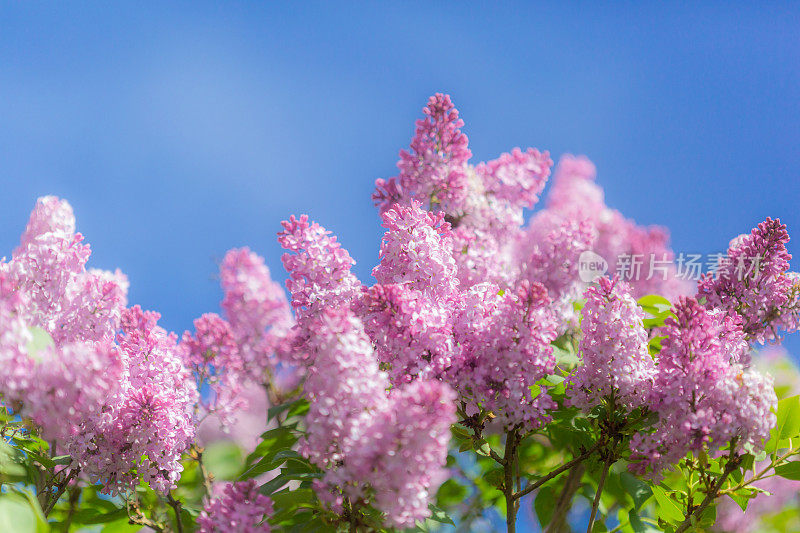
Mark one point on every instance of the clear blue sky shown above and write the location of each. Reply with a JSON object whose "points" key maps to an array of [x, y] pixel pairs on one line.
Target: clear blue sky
{"points": [[178, 132]]}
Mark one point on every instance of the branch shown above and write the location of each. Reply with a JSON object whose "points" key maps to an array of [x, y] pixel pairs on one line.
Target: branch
{"points": [[176, 506], [563, 468], [139, 518], [732, 464], [599, 492], [60, 488], [196, 453], [558, 523], [508, 483]]}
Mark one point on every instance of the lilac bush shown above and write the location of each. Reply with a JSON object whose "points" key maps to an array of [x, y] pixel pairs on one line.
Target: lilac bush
{"points": [[494, 359]]}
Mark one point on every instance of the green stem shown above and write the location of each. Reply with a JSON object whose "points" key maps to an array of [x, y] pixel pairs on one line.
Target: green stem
{"points": [[508, 483], [733, 463]]}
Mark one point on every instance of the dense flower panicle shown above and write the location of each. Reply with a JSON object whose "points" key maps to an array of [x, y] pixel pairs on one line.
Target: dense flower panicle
{"points": [[15, 336], [517, 177], [753, 282], [318, 267], [373, 445], [704, 397], [61, 296], [46, 264], [574, 193], [344, 384], [506, 340], [490, 225], [433, 171], [71, 384], [412, 334], [50, 215], [613, 349], [640, 255], [484, 203], [255, 307], [235, 507], [213, 357], [551, 249], [148, 423], [417, 250], [95, 301], [402, 453]]}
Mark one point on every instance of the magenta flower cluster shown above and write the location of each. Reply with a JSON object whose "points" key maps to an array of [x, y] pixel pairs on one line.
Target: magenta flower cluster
{"points": [[121, 405], [617, 365], [235, 507], [753, 281], [704, 395], [467, 304]]}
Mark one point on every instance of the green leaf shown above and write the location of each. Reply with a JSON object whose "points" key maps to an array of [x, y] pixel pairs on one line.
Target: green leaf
{"points": [[655, 304], [273, 484], [12, 464], [292, 409], [451, 492], [223, 460], [93, 516], [742, 497], [41, 340], [788, 425], [636, 522], [639, 490], [667, 508], [292, 498], [494, 476], [544, 505], [483, 448], [20, 513], [565, 357], [438, 515], [272, 442], [789, 470]]}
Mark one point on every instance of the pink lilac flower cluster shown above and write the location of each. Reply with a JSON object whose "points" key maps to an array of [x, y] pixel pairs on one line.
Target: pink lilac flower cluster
{"points": [[704, 395], [485, 206], [379, 447], [781, 492], [121, 406], [505, 338], [61, 296], [57, 324], [491, 345], [235, 507], [433, 170], [617, 364], [465, 293], [256, 309], [408, 313], [752, 281], [145, 427], [318, 266], [213, 357], [227, 357], [575, 196]]}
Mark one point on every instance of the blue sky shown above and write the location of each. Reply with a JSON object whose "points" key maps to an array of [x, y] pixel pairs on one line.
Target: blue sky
{"points": [[180, 131]]}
